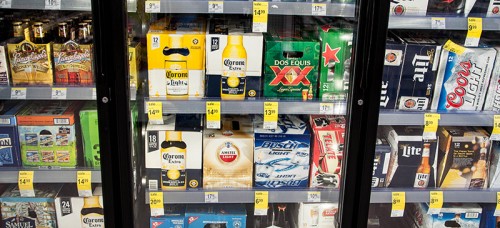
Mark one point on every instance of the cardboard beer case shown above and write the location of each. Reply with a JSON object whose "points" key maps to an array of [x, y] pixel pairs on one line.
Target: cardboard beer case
{"points": [[10, 150], [74, 211], [173, 217], [393, 66], [30, 63], [90, 134]]}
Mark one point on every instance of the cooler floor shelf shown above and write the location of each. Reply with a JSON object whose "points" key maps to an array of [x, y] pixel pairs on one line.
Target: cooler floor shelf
{"points": [[10, 175], [452, 196], [466, 118], [450, 23]]}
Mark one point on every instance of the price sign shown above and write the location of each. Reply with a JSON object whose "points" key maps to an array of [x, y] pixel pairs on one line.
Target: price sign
{"points": [[152, 6], [215, 7], [495, 134], [94, 94], [211, 197], [474, 30], [156, 203], [453, 47], [435, 202], [326, 108], [438, 23], [83, 183], [6, 4], [155, 112], [318, 9], [270, 115], [213, 114], [18, 93], [59, 93], [25, 184], [53, 4], [260, 12], [431, 122], [497, 209], [314, 197], [261, 202], [398, 204]]}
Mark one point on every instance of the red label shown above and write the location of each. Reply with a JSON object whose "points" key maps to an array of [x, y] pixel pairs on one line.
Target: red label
{"points": [[301, 75], [329, 212], [455, 99], [156, 224], [228, 155], [191, 219]]}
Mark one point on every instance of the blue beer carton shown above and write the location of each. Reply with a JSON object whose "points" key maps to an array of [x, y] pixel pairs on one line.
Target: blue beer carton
{"points": [[488, 218], [454, 215], [10, 155], [393, 65], [173, 217], [216, 215]]}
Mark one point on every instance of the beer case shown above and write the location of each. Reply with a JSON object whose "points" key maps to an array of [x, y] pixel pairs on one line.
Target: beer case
{"points": [[225, 215], [407, 147], [38, 211], [90, 134], [327, 150], [453, 215], [493, 8], [173, 217], [409, 8], [290, 65], [494, 180], [47, 134], [181, 83], [459, 153], [134, 62], [488, 219], [10, 151], [228, 154], [463, 79], [218, 31], [4, 62], [335, 64], [190, 127], [317, 215], [393, 65], [282, 155], [30, 63], [381, 160], [73, 64], [72, 213], [492, 101], [482, 8]]}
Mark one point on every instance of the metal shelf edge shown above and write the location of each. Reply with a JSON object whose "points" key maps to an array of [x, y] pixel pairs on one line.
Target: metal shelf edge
{"points": [[447, 119], [48, 176], [421, 196]]}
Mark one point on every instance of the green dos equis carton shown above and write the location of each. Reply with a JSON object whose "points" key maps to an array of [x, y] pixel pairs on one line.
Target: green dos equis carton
{"points": [[291, 65], [90, 134]]}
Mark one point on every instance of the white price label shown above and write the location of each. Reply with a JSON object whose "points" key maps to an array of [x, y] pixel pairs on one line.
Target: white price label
{"points": [[215, 7], [94, 94], [319, 9], [438, 23], [53, 4], [59, 93], [5, 3], [326, 108], [211, 197], [314, 197], [18, 93], [152, 6]]}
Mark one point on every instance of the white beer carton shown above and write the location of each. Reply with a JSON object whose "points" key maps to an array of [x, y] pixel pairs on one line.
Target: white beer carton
{"points": [[75, 212]]}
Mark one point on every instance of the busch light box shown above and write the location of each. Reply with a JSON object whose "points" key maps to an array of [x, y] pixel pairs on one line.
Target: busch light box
{"points": [[463, 80], [381, 160], [393, 65], [216, 215], [173, 217], [454, 215], [282, 155], [492, 102], [413, 161], [418, 76], [408, 7], [10, 155]]}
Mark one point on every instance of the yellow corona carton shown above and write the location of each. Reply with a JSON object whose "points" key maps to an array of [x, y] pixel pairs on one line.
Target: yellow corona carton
{"points": [[134, 60], [176, 58]]}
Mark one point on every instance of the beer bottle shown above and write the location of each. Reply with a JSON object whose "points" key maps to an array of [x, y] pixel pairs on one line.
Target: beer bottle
{"points": [[71, 28], [63, 33], [173, 161], [28, 35], [39, 33], [92, 214], [89, 26], [234, 66], [176, 71], [83, 34], [479, 169], [424, 170], [17, 28]]}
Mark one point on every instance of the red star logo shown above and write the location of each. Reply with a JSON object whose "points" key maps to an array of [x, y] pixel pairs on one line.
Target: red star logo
{"points": [[326, 28], [330, 54]]}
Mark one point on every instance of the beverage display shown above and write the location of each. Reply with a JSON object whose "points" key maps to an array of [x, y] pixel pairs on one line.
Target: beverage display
{"points": [[494, 169], [222, 216], [4, 66], [134, 61], [73, 211], [381, 160], [10, 151], [492, 99], [173, 217], [321, 215], [393, 65], [453, 215], [90, 135], [409, 8]]}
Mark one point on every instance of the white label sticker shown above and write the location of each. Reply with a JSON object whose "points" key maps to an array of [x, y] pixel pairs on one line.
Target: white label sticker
{"points": [[53, 4], [18, 93], [5, 121], [314, 197], [152, 6], [438, 23], [215, 7], [211, 197], [59, 93], [326, 108], [155, 42], [5, 3], [319, 9]]}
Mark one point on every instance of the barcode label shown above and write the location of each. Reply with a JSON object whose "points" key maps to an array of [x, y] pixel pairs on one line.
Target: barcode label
{"points": [[4, 121], [153, 185], [471, 215], [64, 121]]}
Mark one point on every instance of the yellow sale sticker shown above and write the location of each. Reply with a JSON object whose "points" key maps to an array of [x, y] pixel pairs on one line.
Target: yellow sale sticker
{"points": [[156, 203], [495, 134], [431, 123], [270, 115], [83, 183], [25, 183], [398, 204], [453, 47], [261, 200], [213, 114], [260, 12], [155, 112], [475, 27], [497, 209], [435, 202]]}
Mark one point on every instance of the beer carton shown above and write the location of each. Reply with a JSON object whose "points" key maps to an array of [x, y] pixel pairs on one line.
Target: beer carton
{"points": [[10, 151], [413, 161], [493, 9], [174, 153], [282, 155], [90, 134], [463, 79], [176, 58], [173, 217], [453, 215], [492, 101], [47, 134], [73, 64], [381, 160], [222, 62], [335, 64], [291, 66], [488, 218], [393, 65], [79, 212], [216, 215], [464, 157], [4, 62], [482, 8], [30, 63], [320, 215], [134, 63], [327, 150], [38, 211], [228, 154], [409, 8], [494, 172]]}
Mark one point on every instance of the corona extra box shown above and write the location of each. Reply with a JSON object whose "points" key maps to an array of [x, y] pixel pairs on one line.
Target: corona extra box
{"points": [[134, 62], [174, 153], [492, 101], [225, 59], [79, 212], [30, 63], [291, 65], [73, 64], [176, 58], [327, 150], [216, 215], [282, 155], [173, 217], [47, 134], [10, 152], [393, 65], [90, 134], [228, 154]]}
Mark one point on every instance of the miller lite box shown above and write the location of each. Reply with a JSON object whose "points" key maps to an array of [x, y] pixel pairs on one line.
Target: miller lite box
{"points": [[463, 80], [492, 102], [173, 217], [494, 172], [381, 160], [393, 65], [228, 154], [10, 151], [282, 155], [413, 161], [482, 8], [79, 212], [493, 9], [452, 215], [408, 7], [327, 150], [216, 215], [464, 157], [174, 153]]}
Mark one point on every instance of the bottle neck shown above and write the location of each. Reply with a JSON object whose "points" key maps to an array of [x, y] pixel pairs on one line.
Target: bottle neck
{"points": [[91, 202], [235, 39]]}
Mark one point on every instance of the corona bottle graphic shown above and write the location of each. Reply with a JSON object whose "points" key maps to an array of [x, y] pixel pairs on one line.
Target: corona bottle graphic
{"points": [[92, 213], [234, 66], [424, 170], [173, 162], [176, 68]]}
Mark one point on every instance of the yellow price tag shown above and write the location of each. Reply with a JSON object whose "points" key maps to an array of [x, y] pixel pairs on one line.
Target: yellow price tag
{"points": [[84, 183], [261, 202], [25, 183], [155, 112], [213, 114], [260, 12], [398, 204], [156, 203], [453, 47], [497, 209], [270, 115], [495, 134], [475, 27], [431, 123], [435, 202]]}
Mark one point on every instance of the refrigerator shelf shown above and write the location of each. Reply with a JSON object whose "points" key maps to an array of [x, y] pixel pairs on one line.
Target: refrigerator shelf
{"points": [[451, 23], [10, 175], [77, 5], [452, 196], [247, 196], [464, 118], [46, 93]]}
